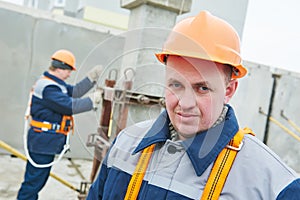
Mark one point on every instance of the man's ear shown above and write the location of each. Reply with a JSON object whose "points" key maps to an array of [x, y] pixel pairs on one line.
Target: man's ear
{"points": [[230, 90]]}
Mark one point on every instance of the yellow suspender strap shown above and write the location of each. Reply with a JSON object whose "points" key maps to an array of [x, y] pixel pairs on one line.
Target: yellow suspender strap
{"points": [[222, 166], [139, 173]]}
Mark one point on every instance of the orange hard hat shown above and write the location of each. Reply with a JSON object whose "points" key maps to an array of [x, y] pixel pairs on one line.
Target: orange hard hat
{"points": [[63, 59], [206, 37]]}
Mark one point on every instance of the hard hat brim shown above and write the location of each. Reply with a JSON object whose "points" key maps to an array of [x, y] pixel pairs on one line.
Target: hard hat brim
{"points": [[242, 71]]}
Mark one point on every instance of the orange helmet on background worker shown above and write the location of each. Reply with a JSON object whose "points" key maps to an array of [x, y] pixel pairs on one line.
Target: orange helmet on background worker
{"points": [[63, 59], [205, 37]]}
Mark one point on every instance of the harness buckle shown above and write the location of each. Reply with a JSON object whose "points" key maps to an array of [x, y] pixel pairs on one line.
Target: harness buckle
{"points": [[55, 126], [235, 148], [66, 124]]}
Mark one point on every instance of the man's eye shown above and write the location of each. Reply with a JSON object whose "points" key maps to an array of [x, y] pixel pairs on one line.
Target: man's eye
{"points": [[202, 88], [175, 85]]}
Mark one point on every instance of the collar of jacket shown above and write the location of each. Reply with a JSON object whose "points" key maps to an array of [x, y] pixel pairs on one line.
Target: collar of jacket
{"points": [[202, 149], [54, 78]]}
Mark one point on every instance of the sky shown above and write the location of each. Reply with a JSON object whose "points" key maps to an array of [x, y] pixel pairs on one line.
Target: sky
{"points": [[271, 33]]}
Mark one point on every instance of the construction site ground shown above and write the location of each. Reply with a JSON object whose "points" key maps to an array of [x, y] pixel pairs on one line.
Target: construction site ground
{"points": [[12, 173]]}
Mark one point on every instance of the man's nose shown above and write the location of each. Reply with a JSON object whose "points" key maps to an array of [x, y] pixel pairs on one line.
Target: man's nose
{"points": [[187, 99]]}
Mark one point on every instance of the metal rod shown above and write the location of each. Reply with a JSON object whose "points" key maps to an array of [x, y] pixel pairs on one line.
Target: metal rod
{"points": [[291, 133], [293, 124], [23, 157], [73, 164]]}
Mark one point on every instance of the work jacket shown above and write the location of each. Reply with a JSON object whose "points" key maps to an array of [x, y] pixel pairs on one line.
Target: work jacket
{"points": [[52, 98], [180, 169]]}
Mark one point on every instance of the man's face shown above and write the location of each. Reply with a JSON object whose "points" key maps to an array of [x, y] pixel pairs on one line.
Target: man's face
{"points": [[63, 74], [196, 92]]}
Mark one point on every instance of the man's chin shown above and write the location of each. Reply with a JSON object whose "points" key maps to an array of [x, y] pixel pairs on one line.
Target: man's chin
{"points": [[189, 131]]}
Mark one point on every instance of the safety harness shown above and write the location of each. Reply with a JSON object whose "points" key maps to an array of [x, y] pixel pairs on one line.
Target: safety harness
{"points": [[64, 127], [216, 178]]}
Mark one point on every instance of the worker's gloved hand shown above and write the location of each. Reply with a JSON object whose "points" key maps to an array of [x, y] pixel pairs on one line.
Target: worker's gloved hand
{"points": [[95, 73], [96, 97]]}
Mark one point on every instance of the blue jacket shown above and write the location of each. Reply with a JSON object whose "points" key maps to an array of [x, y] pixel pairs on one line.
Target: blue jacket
{"points": [[52, 98], [257, 173]]}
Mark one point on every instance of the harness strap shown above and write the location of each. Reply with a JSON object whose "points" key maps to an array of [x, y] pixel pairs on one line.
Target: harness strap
{"points": [[216, 178], [139, 173], [63, 128], [222, 166]]}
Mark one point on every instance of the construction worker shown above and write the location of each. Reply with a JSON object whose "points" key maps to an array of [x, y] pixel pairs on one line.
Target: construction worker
{"points": [[195, 149], [53, 102]]}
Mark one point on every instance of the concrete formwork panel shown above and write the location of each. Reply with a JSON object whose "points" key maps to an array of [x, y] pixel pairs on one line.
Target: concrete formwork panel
{"points": [[254, 91], [287, 98]]}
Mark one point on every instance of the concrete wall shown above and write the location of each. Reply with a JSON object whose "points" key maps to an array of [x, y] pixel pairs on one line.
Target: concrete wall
{"points": [[28, 37], [286, 99], [254, 92]]}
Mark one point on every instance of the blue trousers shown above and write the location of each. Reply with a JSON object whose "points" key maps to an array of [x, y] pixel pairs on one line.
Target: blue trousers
{"points": [[35, 178]]}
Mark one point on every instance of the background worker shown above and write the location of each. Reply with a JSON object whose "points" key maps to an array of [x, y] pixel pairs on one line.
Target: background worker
{"points": [[53, 103], [180, 154]]}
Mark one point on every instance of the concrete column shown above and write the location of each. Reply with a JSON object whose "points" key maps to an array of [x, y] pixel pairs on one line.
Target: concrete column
{"points": [[45, 4], [71, 8], [149, 25]]}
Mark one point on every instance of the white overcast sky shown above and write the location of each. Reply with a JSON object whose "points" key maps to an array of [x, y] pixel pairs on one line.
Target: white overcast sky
{"points": [[271, 32]]}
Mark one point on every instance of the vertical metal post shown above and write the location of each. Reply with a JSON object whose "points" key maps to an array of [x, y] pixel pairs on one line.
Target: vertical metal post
{"points": [[103, 126], [266, 135]]}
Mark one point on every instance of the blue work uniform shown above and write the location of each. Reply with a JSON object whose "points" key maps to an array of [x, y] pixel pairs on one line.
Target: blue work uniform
{"points": [[51, 100], [180, 169]]}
